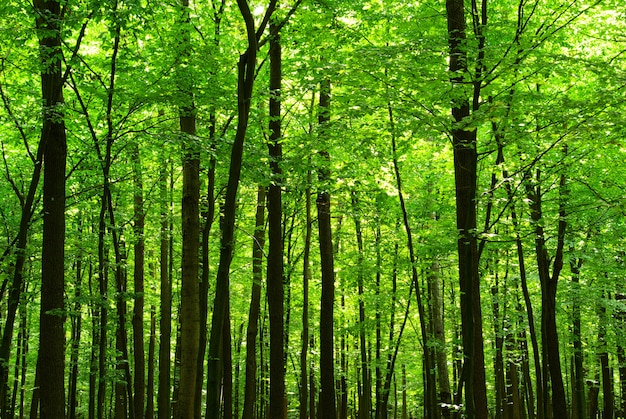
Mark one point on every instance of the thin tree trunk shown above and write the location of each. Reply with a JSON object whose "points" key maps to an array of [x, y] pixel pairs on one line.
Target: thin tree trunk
{"points": [[578, 392], [430, 390], [608, 396], [246, 69], [378, 385], [76, 321], [255, 307], [500, 383], [51, 361], [227, 387], [365, 399], [306, 277], [149, 414], [138, 280], [165, 321], [328, 406], [548, 291], [441, 357], [123, 404]]}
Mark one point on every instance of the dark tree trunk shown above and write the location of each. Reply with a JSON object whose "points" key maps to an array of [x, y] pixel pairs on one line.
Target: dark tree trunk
{"points": [[430, 390], [306, 277], [76, 321], [608, 396], [123, 400], [255, 307], [465, 161], [275, 268], [139, 380], [365, 399], [165, 321], [245, 82], [208, 215], [149, 414], [227, 386], [548, 291], [327, 401], [190, 302], [51, 362], [578, 392]]}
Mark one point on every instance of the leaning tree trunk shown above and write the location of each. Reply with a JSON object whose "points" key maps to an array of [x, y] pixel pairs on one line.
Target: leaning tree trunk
{"points": [[245, 82], [51, 362]]}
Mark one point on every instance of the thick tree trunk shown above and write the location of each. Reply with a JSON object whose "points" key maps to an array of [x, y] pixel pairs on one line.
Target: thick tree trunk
{"points": [[51, 362], [465, 162], [190, 305], [327, 401], [275, 269], [190, 302]]}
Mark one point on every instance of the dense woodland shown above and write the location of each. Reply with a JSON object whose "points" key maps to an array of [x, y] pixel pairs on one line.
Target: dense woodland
{"points": [[312, 209]]}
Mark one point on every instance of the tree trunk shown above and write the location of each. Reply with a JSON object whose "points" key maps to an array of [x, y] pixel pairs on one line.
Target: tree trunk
{"points": [[304, 409], [246, 69], [255, 307], [275, 269], [208, 216], [189, 303], [365, 399], [165, 321], [123, 401], [149, 414], [76, 321], [578, 392], [465, 162], [51, 362], [548, 291], [327, 401], [139, 380], [608, 396], [430, 390], [441, 357]]}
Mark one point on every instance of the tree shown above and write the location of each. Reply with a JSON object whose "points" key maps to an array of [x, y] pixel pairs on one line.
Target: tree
{"points": [[190, 303], [465, 175], [327, 376], [51, 361], [275, 269]]}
